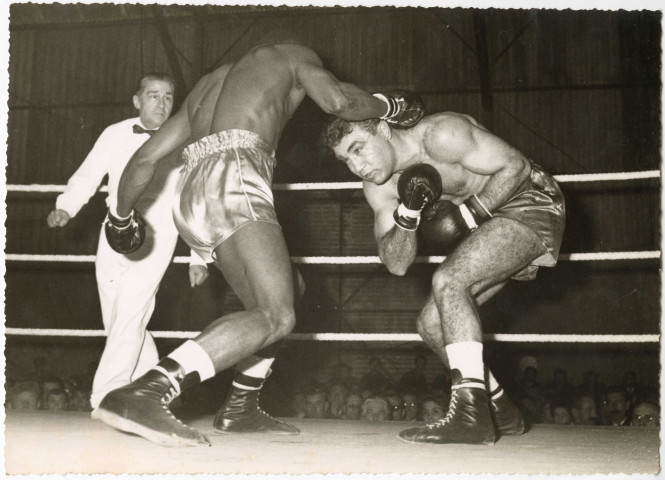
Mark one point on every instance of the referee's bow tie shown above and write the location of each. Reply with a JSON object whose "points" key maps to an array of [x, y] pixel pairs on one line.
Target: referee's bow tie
{"points": [[140, 129]]}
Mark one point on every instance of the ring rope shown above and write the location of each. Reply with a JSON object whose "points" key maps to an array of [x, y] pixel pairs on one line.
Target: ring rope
{"points": [[402, 337], [350, 260], [572, 178], [365, 337]]}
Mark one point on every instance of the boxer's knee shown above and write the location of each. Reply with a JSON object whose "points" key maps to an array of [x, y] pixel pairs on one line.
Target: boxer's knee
{"points": [[280, 320], [424, 327], [447, 284]]}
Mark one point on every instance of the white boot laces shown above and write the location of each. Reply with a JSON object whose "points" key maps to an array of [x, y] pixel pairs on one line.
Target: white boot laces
{"points": [[449, 415]]}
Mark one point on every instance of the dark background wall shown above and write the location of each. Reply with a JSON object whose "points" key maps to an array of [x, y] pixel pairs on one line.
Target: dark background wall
{"points": [[576, 91]]}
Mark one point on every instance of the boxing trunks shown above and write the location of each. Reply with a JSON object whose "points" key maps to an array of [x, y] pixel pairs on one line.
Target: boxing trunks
{"points": [[224, 184], [539, 205]]}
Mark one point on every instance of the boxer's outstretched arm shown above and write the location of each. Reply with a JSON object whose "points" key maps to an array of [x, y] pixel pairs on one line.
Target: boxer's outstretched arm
{"points": [[397, 247], [344, 100], [141, 167]]}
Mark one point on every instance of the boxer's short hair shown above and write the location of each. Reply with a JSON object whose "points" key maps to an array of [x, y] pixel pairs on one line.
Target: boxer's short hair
{"points": [[336, 129]]}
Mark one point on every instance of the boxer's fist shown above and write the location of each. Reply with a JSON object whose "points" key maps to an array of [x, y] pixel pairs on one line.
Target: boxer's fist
{"points": [[57, 218], [125, 235], [405, 108], [417, 186], [445, 223]]}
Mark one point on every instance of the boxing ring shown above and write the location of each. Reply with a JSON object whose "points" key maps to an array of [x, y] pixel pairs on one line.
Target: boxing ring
{"points": [[70, 442]]}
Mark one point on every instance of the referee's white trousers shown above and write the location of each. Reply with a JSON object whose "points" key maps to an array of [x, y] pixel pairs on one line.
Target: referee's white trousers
{"points": [[127, 287]]}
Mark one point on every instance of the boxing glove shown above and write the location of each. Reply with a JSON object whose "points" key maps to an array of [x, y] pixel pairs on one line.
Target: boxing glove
{"points": [[405, 108], [417, 186], [444, 223], [124, 235]]}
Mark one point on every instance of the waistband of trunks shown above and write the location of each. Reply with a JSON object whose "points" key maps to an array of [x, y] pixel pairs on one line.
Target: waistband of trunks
{"points": [[222, 141], [538, 179]]}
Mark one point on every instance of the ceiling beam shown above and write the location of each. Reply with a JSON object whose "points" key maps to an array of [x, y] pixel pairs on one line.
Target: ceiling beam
{"points": [[169, 49], [482, 56]]}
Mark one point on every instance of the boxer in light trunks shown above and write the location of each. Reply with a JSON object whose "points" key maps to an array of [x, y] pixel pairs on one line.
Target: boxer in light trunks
{"points": [[496, 214], [232, 121]]}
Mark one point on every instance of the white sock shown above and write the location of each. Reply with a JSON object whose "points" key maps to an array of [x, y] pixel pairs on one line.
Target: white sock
{"points": [[493, 385], [192, 358], [255, 367], [467, 357]]}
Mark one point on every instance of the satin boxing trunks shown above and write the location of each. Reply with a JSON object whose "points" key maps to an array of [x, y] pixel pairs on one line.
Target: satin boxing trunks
{"points": [[224, 184], [539, 205]]}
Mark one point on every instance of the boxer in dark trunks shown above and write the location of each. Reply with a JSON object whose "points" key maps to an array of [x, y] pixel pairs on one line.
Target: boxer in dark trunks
{"points": [[232, 121], [499, 215]]}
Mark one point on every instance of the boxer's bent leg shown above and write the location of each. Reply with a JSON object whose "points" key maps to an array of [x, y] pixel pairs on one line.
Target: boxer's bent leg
{"points": [[429, 328], [240, 412], [254, 261], [488, 257], [429, 323], [479, 264]]}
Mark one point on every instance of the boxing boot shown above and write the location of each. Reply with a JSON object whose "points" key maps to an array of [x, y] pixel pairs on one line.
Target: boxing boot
{"points": [[142, 407], [467, 421], [508, 419], [241, 413]]}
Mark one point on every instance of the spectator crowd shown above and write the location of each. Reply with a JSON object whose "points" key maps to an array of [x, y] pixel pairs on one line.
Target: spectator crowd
{"points": [[46, 391], [377, 396]]}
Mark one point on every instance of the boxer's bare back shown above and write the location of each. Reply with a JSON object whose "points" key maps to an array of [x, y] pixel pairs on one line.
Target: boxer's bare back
{"points": [[258, 93]]}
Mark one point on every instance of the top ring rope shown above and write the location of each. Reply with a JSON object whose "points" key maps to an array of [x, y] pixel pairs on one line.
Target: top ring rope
{"points": [[572, 178], [367, 337], [350, 260]]}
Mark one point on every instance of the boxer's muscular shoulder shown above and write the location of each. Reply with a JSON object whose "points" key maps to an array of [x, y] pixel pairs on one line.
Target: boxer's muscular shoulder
{"points": [[446, 133]]}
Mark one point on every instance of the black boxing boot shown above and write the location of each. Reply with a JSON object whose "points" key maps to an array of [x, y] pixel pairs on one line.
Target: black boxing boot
{"points": [[467, 421], [508, 419], [142, 407], [241, 413]]}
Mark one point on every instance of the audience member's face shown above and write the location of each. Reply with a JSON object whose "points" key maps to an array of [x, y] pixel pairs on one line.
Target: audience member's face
{"points": [[352, 406], [586, 414], [316, 405], [48, 386], [560, 378], [646, 415], [410, 407], [80, 401], [616, 405], [396, 406], [375, 411], [432, 411], [561, 416], [530, 374], [337, 396], [27, 400], [56, 401]]}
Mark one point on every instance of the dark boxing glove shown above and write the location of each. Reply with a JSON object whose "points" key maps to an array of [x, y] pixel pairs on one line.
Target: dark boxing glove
{"points": [[417, 186], [125, 235], [405, 108], [445, 223]]}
